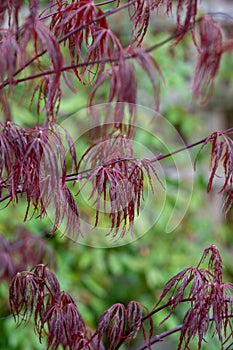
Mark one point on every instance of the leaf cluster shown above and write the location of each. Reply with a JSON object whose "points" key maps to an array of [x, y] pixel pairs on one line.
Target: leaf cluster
{"points": [[208, 300]]}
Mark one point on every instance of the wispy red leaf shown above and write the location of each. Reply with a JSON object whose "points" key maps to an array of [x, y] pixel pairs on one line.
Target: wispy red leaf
{"points": [[42, 37], [191, 8], [139, 14], [152, 69], [78, 23], [33, 163], [208, 297], [221, 158], [119, 178], [113, 322], [65, 324], [10, 54], [209, 55]]}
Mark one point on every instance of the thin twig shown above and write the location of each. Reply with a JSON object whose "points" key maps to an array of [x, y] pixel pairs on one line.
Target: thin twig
{"points": [[160, 337], [229, 346], [102, 3]]}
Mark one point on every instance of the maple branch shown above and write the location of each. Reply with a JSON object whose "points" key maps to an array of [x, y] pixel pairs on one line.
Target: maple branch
{"points": [[163, 156], [173, 36], [89, 63], [148, 316], [102, 3], [78, 176], [81, 174], [161, 336], [229, 346], [164, 334], [8, 195]]}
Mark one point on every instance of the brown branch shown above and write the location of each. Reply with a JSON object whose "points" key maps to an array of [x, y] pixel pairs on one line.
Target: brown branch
{"points": [[160, 337], [102, 3], [8, 195], [229, 346], [83, 174]]}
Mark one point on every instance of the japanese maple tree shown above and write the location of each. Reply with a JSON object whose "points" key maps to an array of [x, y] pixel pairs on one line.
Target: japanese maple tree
{"points": [[63, 45]]}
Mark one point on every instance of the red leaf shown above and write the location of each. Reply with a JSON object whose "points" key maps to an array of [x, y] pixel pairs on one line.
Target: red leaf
{"points": [[113, 321], [140, 15], [210, 51], [221, 156], [151, 67], [189, 17], [122, 83], [207, 296], [78, 24]]}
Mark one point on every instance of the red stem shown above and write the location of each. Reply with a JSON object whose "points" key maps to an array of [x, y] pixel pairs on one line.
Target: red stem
{"points": [[160, 337]]}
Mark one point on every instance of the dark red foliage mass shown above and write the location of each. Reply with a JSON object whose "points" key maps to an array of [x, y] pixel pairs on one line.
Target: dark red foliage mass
{"points": [[118, 177], [22, 253], [208, 300], [33, 163], [211, 300]]}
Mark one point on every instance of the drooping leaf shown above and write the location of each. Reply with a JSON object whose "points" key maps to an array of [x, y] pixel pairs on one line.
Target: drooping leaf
{"points": [[187, 19], [139, 15], [65, 324], [78, 25], [113, 322], [221, 158], [10, 53], [209, 55], [152, 69], [32, 162], [208, 298]]}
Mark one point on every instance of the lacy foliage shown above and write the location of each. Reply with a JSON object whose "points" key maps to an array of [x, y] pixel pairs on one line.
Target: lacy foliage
{"points": [[208, 301], [77, 38]]}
